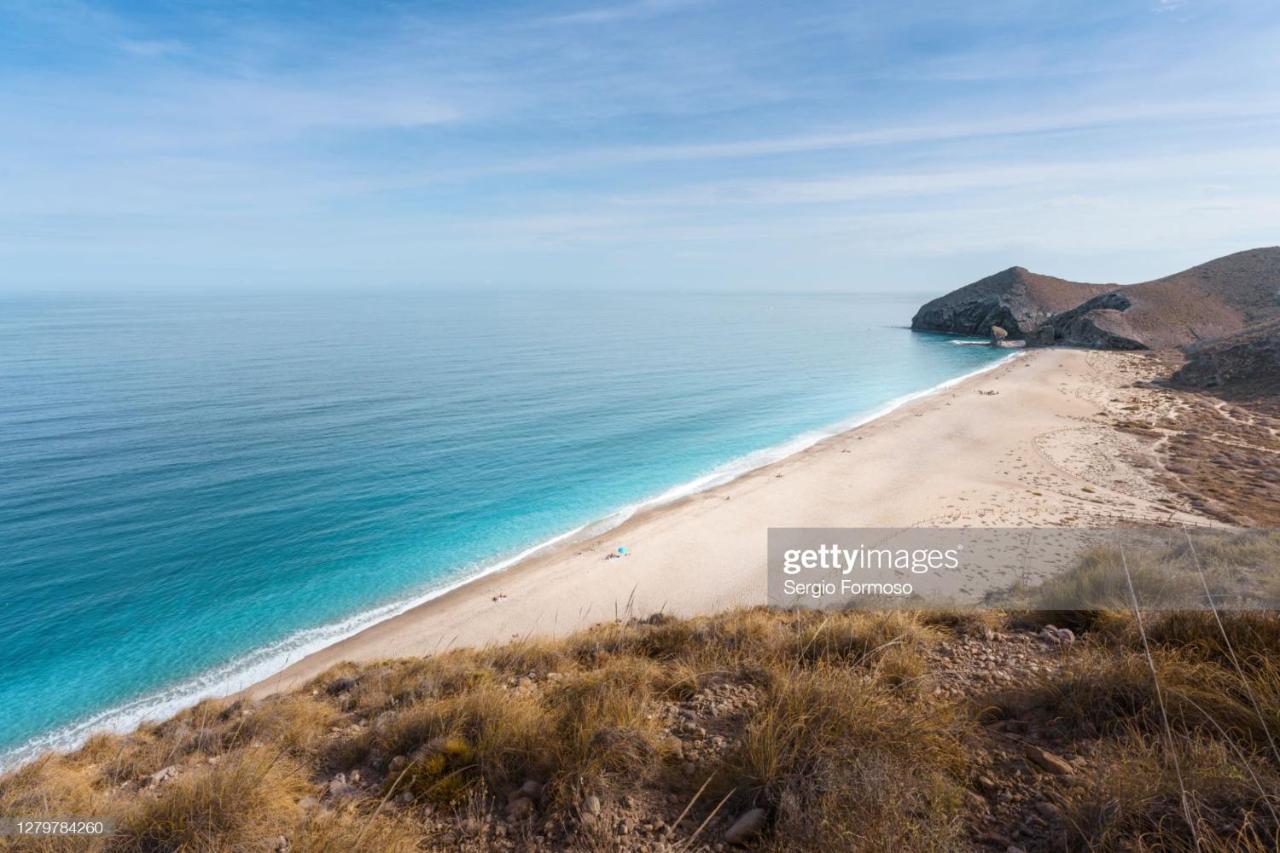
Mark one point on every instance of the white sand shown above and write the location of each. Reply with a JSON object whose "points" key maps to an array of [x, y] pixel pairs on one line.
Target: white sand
{"points": [[1037, 452]]}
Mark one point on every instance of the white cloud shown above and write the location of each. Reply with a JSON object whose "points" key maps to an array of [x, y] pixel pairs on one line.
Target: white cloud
{"points": [[626, 11]]}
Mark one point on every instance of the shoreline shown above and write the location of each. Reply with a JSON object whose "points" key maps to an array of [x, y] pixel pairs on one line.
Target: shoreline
{"points": [[247, 674], [565, 583], [569, 583]]}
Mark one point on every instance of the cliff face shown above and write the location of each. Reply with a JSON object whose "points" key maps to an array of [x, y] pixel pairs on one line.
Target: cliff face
{"points": [[1205, 302], [1247, 362]]}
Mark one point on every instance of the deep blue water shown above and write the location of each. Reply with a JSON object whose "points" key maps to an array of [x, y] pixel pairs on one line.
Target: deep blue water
{"points": [[194, 489]]}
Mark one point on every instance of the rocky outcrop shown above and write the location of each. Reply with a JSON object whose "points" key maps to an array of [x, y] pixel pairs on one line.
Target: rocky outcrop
{"points": [[1206, 302], [1247, 362], [1017, 300], [1099, 323]]}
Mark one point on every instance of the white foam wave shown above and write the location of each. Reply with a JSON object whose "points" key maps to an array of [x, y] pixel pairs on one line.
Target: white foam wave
{"points": [[263, 663]]}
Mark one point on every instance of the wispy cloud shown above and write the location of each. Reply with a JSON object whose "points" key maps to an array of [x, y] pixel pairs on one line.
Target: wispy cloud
{"points": [[626, 11], [474, 141]]}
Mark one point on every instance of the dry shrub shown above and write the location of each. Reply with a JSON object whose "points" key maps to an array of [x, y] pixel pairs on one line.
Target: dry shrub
{"points": [[965, 623], [825, 738], [1134, 800], [1253, 636], [828, 741], [52, 787], [872, 801], [296, 723], [890, 644], [606, 722], [1099, 581], [487, 735], [1109, 692], [526, 657], [242, 800]]}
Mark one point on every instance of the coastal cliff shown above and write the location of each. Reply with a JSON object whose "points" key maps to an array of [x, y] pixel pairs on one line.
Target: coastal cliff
{"points": [[1219, 298]]}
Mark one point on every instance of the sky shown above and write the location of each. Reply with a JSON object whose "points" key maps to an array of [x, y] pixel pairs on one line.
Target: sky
{"points": [[630, 144]]}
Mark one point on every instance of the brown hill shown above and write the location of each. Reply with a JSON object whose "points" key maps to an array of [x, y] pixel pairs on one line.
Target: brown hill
{"points": [[1016, 299], [1246, 363], [1208, 301]]}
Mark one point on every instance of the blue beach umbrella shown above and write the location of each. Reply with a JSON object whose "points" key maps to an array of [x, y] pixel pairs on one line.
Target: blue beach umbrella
{"points": [[622, 549]]}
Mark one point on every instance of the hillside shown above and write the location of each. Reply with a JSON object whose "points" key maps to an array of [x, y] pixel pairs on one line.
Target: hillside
{"points": [[1245, 364], [1208, 301], [1018, 300], [760, 729]]}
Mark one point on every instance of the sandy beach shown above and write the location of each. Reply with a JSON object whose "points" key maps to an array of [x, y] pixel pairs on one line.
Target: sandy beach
{"points": [[1031, 443]]}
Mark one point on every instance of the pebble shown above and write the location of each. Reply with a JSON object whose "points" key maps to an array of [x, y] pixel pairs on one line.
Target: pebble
{"points": [[161, 776], [1048, 810], [1046, 760]]}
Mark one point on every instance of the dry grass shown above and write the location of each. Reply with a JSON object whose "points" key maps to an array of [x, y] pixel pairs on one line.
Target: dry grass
{"points": [[828, 722], [1137, 804]]}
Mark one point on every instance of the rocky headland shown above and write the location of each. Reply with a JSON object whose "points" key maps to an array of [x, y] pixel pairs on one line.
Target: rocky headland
{"points": [[1214, 300]]}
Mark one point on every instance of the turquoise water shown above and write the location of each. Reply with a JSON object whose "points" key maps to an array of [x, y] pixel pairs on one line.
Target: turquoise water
{"points": [[195, 490]]}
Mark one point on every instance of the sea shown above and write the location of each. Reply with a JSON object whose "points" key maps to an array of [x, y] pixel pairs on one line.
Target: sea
{"points": [[197, 489]]}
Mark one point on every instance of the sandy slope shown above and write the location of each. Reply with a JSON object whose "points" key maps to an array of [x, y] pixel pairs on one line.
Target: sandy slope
{"points": [[1028, 444]]}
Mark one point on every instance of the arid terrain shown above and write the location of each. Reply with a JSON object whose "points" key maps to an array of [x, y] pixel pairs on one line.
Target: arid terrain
{"points": [[759, 729]]}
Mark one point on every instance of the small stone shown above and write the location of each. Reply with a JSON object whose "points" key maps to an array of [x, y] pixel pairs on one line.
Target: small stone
{"points": [[161, 776], [308, 802], [531, 789], [282, 844], [1047, 761], [1048, 810], [746, 827], [592, 805], [398, 763]]}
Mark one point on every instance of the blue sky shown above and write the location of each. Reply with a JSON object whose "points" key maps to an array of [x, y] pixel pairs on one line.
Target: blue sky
{"points": [[700, 144]]}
